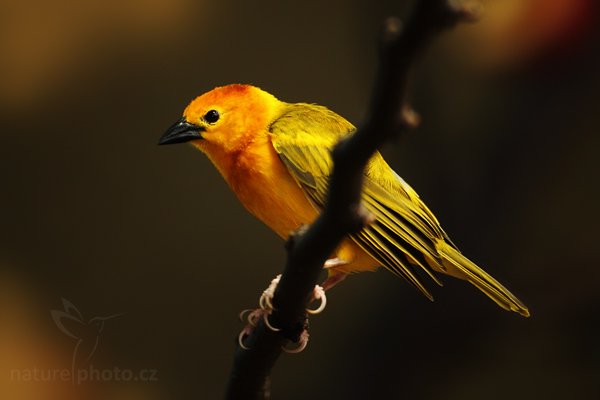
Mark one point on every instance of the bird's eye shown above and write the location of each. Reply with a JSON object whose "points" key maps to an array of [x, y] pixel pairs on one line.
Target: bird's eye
{"points": [[211, 116]]}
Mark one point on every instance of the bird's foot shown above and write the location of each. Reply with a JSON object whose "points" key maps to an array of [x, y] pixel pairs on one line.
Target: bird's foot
{"points": [[252, 317], [333, 280]]}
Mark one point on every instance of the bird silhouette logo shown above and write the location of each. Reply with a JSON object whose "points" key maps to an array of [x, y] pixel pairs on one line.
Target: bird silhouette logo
{"points": [[86, 333]]}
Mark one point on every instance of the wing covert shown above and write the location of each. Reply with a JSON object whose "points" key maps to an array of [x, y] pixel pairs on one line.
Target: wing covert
{"points": [[405, 231]]}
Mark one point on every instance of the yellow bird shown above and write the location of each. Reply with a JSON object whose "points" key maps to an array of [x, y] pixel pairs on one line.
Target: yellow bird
{"points": [[275, 156]]}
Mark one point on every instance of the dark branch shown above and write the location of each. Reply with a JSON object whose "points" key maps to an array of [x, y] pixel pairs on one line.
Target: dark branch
{"points": [[388, 116]]}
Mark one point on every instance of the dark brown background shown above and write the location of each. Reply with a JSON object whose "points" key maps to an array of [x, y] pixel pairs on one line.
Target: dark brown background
{"points": [[93, 211]]}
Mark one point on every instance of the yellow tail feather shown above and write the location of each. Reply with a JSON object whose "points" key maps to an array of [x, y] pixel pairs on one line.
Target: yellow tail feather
{"points": [[461, 267]]}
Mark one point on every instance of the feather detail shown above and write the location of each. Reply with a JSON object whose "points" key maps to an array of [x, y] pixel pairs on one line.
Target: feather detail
{"points": [[480, 279], [406, 237]]}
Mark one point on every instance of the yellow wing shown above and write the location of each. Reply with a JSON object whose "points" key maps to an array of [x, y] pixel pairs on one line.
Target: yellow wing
{"points": [[405, 234]]}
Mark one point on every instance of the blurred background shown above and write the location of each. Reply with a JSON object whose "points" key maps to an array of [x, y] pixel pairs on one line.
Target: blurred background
{"points": [[93, 211]]}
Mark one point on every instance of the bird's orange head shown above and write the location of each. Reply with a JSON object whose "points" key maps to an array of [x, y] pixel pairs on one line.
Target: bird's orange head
{"points": [[225, 119]]}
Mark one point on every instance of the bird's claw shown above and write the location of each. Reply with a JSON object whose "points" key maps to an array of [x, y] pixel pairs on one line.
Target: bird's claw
{"points": [[318, 294], [243, 334], [242, 315], [302, 343]]}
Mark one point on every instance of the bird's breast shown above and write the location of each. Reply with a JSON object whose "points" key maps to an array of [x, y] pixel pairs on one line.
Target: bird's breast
{"points": [[265, 187]]}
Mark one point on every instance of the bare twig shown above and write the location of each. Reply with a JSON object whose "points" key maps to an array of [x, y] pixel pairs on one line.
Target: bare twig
{"points": [[388, 116]]}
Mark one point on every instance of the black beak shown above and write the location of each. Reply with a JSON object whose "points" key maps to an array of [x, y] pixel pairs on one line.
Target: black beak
{"points": [[181, 132]]}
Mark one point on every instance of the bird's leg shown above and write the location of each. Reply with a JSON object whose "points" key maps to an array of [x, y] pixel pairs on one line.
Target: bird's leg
{"points": [[319, 291], [333, 279], [334, 262]]}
